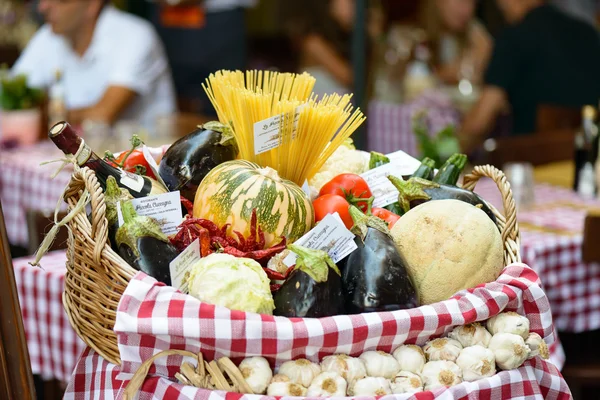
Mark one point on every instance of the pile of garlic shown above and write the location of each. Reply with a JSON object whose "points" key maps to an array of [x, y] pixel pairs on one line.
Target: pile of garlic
{"points": [[469, 353]]}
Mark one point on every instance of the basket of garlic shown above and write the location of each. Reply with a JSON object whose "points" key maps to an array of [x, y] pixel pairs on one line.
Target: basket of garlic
{"points": [[489, 341]]}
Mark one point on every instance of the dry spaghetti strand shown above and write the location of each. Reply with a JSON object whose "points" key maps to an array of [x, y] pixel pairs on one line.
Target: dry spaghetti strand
{"points": [[310, 129]]}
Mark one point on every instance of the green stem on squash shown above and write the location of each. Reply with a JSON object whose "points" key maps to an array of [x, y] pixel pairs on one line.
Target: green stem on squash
{"points": [[315, 263], [412, 189]]}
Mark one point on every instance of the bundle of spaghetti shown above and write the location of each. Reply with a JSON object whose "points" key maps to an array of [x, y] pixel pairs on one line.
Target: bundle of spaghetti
{"points": [[310, 130], [322, 126]]}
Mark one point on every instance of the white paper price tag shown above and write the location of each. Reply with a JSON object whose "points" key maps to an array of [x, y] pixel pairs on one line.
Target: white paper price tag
{"points": [[306, 189], [165, 208], [180, 266], [267, 133], [152, 163], [384, 192], [405, 164], [330, 235]]}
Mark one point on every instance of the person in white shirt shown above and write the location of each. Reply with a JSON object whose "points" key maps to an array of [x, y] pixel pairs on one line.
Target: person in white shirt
{"points": [[113, 64]]}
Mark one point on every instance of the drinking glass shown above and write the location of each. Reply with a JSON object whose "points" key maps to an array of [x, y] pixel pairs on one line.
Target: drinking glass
{"points": [[520, 177]]}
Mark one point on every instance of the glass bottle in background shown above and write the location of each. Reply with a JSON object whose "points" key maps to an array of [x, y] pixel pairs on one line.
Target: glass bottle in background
{"points": [[586, 153], [66, 139], [419, 76], [57, 108]]}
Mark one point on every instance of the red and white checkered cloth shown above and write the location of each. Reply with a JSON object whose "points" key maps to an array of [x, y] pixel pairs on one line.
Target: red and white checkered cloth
{"points": [[153, 317], [390, 125], [572, 286], [25, 185], [96, 378], [53, 345]]}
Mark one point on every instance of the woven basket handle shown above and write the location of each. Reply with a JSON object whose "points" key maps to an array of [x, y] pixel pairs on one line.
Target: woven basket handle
{"points": [[510, 228], [85, 178]]}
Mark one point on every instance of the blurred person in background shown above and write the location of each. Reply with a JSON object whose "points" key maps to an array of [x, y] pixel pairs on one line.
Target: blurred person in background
{"points": [[321, 31], [201, 37], [459, 43], [112, 63], [543, 57]]}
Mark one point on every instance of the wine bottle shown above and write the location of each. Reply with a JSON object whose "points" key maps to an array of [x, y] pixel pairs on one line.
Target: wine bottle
{"points": [[66, 139]]}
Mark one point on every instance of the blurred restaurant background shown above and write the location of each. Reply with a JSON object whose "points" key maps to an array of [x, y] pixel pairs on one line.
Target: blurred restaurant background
{"points": [[513, 83]]}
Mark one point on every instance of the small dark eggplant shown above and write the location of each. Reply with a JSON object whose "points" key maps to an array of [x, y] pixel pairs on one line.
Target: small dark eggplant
{"points": [[143, 245], [417, 191], [190, 158], [112, 195], [313, 289], [374, 276]]}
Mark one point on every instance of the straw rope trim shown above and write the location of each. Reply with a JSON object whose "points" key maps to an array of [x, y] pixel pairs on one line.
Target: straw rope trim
{"points": [[206, 375]]}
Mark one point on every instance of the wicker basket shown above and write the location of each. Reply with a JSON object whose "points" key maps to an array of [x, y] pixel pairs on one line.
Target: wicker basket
{"points": [[96, 276]]}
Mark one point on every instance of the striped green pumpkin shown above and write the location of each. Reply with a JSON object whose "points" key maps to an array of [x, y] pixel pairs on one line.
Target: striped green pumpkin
{"points": [[231, 190]]}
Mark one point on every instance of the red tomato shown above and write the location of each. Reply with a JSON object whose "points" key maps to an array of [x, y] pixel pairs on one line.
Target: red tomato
{"points": [[331, 203], [135, 158], [385, 215], [349, 186]]}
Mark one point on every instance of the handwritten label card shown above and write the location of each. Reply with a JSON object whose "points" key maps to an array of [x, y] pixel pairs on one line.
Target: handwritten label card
{"points": [[267, 133], [330, 235], [152, 163], [165, 208], [384, 192], [405, 163], [181, 266]]}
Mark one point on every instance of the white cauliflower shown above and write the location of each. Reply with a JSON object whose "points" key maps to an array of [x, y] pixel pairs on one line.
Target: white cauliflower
{"points": [[345, 160]]}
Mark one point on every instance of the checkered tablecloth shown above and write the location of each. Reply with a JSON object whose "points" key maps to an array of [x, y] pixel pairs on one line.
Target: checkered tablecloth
{"points": [[52, 343], [154, 317], [390, 125], [25, 185], [551, 239]]}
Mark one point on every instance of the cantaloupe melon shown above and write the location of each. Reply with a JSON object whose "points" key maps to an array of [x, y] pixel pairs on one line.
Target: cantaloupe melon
{"points": [[448, 245]]}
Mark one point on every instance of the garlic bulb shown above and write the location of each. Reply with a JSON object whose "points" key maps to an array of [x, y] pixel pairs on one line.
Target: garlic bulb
{"points": [[280, 378], [476, 362], [509, 322], [257, 373], [442, 349], [370, 386], [410, 358], [380, 364], [327, 384], [349, 368], [278, 388], [300, 371], [406, 382], [438, 374], [471, 335], [537, 346], [509, 349]]}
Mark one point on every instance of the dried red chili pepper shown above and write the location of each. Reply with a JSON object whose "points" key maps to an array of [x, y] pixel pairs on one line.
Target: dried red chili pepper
{"points": [[188, 205], [275, 287]]}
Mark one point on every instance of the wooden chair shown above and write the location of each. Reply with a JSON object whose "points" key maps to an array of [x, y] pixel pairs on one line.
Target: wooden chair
{"points": [[552, 118], [552, 141], [16, 381], [537, 149]]}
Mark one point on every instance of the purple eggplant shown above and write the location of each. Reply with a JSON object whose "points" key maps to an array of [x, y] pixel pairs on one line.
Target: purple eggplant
{"points": [[416, 191], [313, 289], [143, 245], [374, 276], [190, 158]]}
